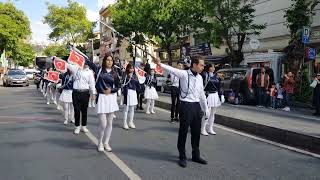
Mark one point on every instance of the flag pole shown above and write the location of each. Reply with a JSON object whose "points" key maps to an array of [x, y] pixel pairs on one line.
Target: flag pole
{"points": [[126, 38]]}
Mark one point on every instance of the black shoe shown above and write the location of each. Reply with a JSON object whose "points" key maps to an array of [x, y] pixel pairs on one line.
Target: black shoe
{"points": [[182, 163], [176, 119], [316, 114], [141, 108], [199, 160], [172, 120]]}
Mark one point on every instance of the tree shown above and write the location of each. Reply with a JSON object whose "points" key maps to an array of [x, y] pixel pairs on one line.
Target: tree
{"points": [[230, 21], [299, 14], [56, 50], [162, 21], [23, 54], [14, 26], [68, 23]]}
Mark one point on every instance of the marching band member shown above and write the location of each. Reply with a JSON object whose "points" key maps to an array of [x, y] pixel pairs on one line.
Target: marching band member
{"points": [[107, 85], [212, 89], [175, 93], [82, 85], [150, 93], [66, 97], [130, 86], [192, 104]]}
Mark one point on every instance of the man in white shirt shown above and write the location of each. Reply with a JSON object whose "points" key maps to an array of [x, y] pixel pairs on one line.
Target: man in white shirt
{"points": [[83, 83], [192, 105], [175, 93]]}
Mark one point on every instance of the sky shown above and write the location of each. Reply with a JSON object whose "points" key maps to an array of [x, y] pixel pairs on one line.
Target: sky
{"points": [[35, 10]]}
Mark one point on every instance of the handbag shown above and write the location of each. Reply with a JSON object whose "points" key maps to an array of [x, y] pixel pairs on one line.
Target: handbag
{"points": [[313, 84]]}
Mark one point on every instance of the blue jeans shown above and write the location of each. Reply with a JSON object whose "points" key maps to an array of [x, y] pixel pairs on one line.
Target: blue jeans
{"points": [[261, 96], [288, 99], [273, 102]]}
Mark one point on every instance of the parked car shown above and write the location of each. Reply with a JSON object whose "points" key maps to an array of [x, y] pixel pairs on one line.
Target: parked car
{"points": [[30, 73], [15, 77], [160, 81], [242, 81]]}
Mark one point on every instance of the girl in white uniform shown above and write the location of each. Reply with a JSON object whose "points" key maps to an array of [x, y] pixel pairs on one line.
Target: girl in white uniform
{"points": [[66, 97], [214, 98], [150, 92], [130, 85], [107, 85]]}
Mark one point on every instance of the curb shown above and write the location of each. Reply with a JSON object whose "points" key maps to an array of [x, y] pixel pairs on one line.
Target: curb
{"points": [[290, 138]]}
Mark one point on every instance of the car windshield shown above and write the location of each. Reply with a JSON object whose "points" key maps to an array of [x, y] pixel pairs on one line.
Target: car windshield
{"points": [[12, 73]]}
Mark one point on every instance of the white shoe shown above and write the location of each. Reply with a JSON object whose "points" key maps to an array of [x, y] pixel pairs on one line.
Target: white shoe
{"points": [[89, 105], [48, 103], [152, 112], [93, 105], [125, 126], [107, 148], [100, 148], [65, 122], [58, 107], [55, 102], [114, 116], [131, 125], [72, 121], [148, 112], [211, 131], [204, 132], [77, 130], [85, 129]]}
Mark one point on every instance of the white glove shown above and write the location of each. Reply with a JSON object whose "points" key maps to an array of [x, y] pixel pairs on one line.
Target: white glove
{"points": [[207, 114], [222, 99]]}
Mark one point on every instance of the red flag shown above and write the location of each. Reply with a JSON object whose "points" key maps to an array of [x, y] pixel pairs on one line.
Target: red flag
{"points": [[60, 65], [53, 76], [159, 70], [140, 71], [140, 74], [76, 58]]}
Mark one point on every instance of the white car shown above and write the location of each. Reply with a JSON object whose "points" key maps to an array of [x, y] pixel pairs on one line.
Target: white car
{"points": [[30, 73]]}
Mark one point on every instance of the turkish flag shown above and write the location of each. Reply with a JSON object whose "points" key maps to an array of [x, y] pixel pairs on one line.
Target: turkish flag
{"points": [[76, 58], [140, 74], [53, 76], [159, 70], [60, 65]]}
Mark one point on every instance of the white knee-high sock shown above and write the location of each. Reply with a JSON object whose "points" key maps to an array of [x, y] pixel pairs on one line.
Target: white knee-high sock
{"points": [[148, 105], [108, 128], [66, 109], [131, 113], [102, 127], [71, 112], [125, 115], [212, 116], [152, 105]]}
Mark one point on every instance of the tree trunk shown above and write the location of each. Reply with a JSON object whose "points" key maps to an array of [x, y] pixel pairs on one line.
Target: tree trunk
{"points": [[168, 50]]}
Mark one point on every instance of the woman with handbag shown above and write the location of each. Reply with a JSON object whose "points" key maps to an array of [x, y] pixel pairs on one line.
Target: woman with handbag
{"points": [[214, 98]]}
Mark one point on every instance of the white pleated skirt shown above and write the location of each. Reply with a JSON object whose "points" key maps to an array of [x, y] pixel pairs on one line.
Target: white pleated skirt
{"points": [[131, 98], [66, 96], [107, 103], [150, 93], [213, 100]]}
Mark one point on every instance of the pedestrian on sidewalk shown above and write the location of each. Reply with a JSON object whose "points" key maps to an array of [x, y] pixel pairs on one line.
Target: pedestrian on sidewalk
{"points": [[192, 105], [107, 85], [130, 86], [150, 93], [175, 94], [288, 86], [66, 97], [82, 85], [316, 95], [279, 95], [273, 95], [214, 95], [262, 81]]}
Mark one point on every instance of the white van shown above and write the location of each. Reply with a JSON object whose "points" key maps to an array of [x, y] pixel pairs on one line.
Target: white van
{"points": [[30, 72]]}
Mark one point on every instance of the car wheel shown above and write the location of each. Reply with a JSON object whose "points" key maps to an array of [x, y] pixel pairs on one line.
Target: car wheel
{"points": [[4, 84]]}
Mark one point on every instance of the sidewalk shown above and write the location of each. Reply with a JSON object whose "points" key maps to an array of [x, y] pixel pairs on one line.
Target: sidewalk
{"points": [[296, 128]]}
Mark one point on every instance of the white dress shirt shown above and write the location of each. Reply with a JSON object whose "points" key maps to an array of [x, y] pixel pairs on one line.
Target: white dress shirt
{"points": [[174, 80], [83, 78], [195, 91]]}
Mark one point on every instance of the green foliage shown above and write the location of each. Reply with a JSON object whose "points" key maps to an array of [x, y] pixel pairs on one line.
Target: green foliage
{"points": [[23, 54], [56, 50], [68, 23], [231, 21], [161, 21], [14, 26], [305, 95]]}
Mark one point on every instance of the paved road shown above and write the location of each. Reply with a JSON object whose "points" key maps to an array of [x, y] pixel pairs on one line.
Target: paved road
{"points": [[36, 145]]}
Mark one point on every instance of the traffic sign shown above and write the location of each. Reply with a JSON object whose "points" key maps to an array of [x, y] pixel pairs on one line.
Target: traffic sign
{"points": [[311, 53], [306, 35]]}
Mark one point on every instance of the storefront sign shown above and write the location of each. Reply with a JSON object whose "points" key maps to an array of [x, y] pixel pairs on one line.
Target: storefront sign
{"points": [[201, 49]]}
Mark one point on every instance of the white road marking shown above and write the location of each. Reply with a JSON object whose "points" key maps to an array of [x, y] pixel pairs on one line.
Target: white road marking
{"points": [[121, 165], [259, 139]]}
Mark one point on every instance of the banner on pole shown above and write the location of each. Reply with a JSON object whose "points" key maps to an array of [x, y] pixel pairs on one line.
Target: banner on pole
{"points": [[159, 70], [76, 58], [53, 76], [60, 65]]}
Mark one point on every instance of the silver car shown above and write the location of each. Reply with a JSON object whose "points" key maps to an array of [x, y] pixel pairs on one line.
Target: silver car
{"points": [[15, 77]]}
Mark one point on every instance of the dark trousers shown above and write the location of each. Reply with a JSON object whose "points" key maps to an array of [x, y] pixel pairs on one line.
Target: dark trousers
{"points": [[175, 101], [261, 96], [80, 102], [190, 115], [140, 99]]}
